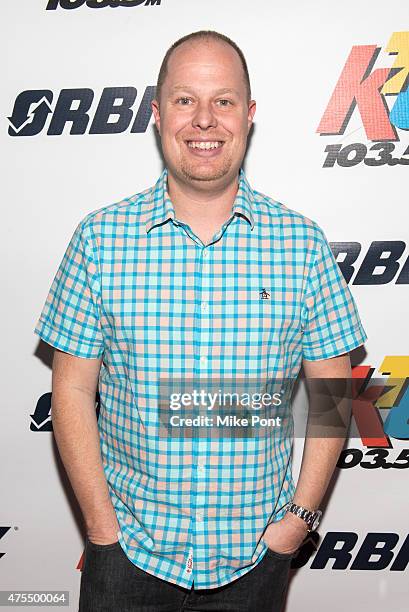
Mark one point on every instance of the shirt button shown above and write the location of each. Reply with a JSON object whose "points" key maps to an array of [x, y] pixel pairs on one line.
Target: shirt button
{"points": [[200, 467], [203, 359], [199, 516], [204, 306], [205, 253]]}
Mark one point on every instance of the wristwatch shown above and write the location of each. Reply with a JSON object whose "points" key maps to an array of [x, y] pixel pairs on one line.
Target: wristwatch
{"points": [[311, 517]]}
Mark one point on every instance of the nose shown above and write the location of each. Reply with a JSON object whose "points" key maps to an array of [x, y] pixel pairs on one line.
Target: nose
{"points": [[204, 116]]}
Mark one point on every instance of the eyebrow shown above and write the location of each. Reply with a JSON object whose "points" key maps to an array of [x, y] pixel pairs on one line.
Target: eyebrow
{"points": [[224, 90]]}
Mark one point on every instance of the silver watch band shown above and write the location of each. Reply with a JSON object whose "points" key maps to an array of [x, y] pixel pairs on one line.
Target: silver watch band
{"points": [[309, 516]]}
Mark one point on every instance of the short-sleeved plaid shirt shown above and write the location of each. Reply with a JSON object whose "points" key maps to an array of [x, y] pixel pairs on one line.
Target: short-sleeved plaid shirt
{"points": [[137, 287]]}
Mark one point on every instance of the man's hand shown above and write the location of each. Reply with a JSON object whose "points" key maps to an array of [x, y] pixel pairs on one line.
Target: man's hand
{"points": [[286, 536]]}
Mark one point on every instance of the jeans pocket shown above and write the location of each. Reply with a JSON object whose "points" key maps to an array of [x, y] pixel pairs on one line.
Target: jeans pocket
{"points": [[101, 547], [279, 555], [282, 556]]}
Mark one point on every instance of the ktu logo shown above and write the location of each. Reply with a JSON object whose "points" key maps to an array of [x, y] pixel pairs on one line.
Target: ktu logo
{"points": [[359, 85]]}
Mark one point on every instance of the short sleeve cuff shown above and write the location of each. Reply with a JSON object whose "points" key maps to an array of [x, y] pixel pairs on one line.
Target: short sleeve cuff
{"points": [[80, 347], [336, 346]]}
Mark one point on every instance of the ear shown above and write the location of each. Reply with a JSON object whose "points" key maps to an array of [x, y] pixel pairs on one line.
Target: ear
{"points": [[251, 113], [156, 113]]}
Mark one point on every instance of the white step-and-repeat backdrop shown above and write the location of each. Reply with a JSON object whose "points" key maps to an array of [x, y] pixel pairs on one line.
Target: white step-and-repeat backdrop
{"points": [[330, 140]]}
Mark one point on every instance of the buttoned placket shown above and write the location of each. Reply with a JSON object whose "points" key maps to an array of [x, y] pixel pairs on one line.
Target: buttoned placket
{"points": [[202, 330]]}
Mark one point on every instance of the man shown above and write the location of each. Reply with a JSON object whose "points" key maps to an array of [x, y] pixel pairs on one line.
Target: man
{"points": [[199, 277]]}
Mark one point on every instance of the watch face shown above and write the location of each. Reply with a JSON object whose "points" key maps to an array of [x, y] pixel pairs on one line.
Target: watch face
{"points": [[316, 520]]}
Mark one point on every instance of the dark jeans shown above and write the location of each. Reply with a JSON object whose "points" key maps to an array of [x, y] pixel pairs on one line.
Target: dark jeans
{"points": [[110, 582]]}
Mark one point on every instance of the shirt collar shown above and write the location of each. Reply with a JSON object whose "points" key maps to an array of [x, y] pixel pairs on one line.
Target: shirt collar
{"points": [[161, 207]]}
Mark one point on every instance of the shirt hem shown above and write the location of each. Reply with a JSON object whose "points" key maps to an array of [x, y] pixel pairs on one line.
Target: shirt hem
{"points": [[188, 584], [66, 343], [337, 347]]}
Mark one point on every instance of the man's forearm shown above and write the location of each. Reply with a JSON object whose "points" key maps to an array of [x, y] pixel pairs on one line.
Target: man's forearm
{"points": [[76, 433], [330, 408], [318, 465]]}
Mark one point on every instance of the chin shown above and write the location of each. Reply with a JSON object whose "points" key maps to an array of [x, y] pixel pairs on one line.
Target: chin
{"points": [[193, 173], [203, 176]]}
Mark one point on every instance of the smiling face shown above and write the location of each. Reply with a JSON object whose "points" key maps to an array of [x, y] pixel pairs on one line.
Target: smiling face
{"points": [[204, 116]]}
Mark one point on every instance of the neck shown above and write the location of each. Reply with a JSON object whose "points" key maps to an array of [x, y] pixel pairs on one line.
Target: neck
{"points": [[191, 203]]}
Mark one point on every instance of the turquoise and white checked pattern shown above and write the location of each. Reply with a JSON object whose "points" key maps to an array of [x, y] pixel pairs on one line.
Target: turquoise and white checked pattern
{"points": [[138, 288]]}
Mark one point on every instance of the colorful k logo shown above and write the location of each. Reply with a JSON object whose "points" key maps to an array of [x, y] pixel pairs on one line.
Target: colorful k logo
{"points": [[358, 86]]}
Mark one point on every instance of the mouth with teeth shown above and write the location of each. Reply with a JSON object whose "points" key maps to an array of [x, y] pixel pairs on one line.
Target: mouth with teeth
{"points": [[205, 148]]}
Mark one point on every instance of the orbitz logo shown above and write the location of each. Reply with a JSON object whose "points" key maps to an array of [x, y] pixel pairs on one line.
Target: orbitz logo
{"points": [[364, 88], [82, 110], [382, 262]]}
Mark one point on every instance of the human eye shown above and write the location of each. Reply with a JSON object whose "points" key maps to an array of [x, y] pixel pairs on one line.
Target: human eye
{"points": [[183, 101], [225, 102]]}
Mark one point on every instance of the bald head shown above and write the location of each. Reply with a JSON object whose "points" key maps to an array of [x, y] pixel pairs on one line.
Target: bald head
{"points": [[206, 37]]}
